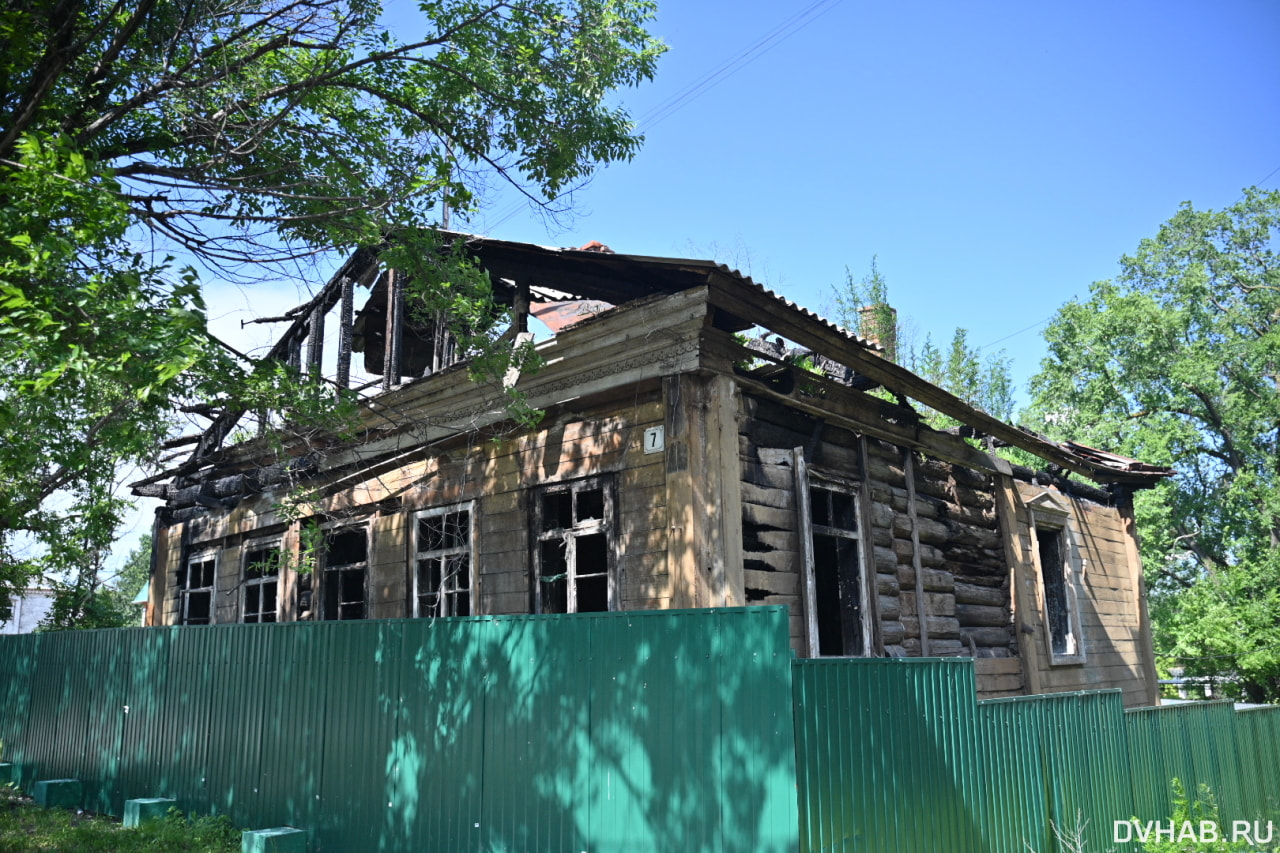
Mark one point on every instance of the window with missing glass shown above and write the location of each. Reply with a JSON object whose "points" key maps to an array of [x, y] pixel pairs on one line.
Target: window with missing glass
{"points": [[195, 585], [260, 585], [1059, 565], [574, 560], [837, 609], [443, 566], [345, 572]]}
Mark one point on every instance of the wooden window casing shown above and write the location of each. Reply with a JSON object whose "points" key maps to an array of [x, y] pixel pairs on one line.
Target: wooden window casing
{"points": [[837, 611], [345, 574], [575, 548], [1059, 566], [444, 567], [260, 584], [196, 580]]}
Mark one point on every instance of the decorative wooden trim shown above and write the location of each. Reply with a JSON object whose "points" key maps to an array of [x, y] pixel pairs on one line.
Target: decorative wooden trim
{"points": [[1024, 600]]}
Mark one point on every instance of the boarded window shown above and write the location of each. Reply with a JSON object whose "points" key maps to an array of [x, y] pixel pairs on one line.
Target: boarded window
{"points": [[195, 582], [443, 561], [837, 607], [346, 568], [574, 559], [261, 584]]}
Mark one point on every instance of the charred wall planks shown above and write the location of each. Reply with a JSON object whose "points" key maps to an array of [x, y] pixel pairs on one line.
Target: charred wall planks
{"points": [[953, 536]]}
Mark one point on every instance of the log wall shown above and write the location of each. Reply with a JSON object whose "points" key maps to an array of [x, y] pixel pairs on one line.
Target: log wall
{"points": [[956, 543]]}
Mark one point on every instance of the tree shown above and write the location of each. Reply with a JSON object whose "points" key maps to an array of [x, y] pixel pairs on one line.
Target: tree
{"points": [[863, 307], [1177, 362], [237, 134]]}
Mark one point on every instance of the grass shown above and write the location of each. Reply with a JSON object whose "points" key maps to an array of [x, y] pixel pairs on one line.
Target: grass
{"points": [[28, 828]]}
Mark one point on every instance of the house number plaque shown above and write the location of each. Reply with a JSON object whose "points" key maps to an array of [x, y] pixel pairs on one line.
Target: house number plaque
{"points": [[654, 440]]}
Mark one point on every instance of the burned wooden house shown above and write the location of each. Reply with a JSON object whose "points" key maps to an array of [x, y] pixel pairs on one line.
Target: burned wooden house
{"points": [[681, 462]]}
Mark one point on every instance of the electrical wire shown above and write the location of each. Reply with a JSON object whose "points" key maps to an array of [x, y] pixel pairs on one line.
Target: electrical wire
{"points": [[713, 78]]}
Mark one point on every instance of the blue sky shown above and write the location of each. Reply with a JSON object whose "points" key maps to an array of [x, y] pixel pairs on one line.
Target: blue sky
{"points": [[997, 157]]}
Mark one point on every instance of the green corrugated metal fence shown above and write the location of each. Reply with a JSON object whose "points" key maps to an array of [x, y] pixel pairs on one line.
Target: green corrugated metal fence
{"points": [[664, 730], [1199, 744], [884, 754], [1259, 732], [1055, 764], [636, 731], [897, 755]]}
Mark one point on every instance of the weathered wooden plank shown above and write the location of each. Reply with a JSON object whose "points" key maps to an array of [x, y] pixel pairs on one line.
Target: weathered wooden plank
{"points": [[975, 615], [766, 476], [987, 636], [768, 497], [967, 593], [775, 561], [775, 583], [769, 517]]}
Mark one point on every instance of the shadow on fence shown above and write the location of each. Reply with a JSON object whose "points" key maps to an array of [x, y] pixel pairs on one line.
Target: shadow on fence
{"points": [[662, 730]]}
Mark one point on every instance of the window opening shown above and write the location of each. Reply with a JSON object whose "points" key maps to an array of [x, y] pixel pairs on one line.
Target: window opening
{"points": [[574, 551], [261, 583], [442, 574], [196, 585], [838, 606], [346, 566], [1053, 573]]}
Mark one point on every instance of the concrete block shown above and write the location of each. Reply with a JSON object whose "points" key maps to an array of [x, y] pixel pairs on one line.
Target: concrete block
{"points": [[58, 793], [281, 839], [138, 812]]}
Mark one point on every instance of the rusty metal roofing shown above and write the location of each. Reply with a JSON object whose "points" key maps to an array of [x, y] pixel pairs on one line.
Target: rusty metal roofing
{"points": [[1114, 461]]}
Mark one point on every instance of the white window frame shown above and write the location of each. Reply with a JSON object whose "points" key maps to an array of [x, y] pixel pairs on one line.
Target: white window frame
{"points": [[203, 555], [470, 549], [320, 590], [1050, 516], [246, 582], [806, 479], [606, 526]]}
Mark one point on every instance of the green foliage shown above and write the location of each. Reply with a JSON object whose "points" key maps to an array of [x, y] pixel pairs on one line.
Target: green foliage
{"points": [[1195, 811], [982, 382], [863, 307], [241, 135], [1177, 362], [87, 600], [26, 827]]}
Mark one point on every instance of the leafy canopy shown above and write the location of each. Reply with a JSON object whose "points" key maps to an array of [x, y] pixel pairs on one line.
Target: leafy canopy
{"points": [[236, 134], [1177, 362], [863, 307]]}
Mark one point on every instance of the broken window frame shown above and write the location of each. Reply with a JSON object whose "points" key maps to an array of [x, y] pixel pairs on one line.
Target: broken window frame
{"points": [[1049, 520], [446, 603], [572, 537], [859, 638], [331, 532], [260, 583], [187, 592]]}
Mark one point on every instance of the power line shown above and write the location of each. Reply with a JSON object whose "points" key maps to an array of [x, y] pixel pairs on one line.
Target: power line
{"points": [[1015, 334], [1267, 178], [717, 75]]}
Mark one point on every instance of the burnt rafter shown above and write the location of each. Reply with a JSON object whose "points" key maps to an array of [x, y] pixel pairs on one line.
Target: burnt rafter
{"points": [[604, 279]]}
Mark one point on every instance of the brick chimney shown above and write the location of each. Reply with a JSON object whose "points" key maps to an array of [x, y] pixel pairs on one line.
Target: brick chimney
{"points": [[871, 320]]}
